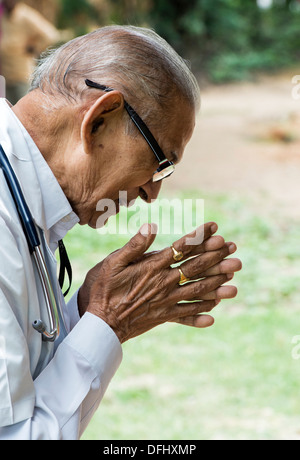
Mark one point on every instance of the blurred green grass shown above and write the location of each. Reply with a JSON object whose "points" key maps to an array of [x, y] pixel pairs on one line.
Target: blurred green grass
{"points": [[236, 380]]}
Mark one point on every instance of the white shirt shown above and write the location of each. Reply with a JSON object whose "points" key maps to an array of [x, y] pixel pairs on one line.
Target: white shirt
{"points": [[47, 390]]}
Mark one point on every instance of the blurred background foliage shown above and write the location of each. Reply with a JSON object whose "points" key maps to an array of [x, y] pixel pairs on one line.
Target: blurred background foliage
{"points": [[224, 39]]}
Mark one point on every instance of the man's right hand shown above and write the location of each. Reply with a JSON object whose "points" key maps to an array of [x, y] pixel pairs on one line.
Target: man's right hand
{"points": [[134, 291]]}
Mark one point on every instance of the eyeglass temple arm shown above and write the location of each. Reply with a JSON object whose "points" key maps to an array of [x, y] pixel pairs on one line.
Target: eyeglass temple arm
{"points": [[146, 133], [143, 129]]}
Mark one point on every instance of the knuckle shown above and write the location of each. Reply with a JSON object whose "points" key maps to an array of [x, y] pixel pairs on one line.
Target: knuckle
{"points": [[210, 306], [222, 252], [198, 288], [161, 282], [133, 244]]}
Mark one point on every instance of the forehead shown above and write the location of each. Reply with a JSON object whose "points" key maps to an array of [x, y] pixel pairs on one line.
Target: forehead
{"points": [[178, 131]]}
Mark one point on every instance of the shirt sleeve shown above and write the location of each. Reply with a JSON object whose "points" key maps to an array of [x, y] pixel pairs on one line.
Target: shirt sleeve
{"points": [[71, 387], [41, 398]]}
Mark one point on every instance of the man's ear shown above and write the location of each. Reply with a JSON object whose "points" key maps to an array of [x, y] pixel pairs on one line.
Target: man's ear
{"points": [[99, 112]]}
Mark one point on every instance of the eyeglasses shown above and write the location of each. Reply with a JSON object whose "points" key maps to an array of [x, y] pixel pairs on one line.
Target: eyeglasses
{"points": [[166, 167]]}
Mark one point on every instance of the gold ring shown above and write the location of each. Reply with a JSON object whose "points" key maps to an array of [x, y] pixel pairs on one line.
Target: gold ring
{"points": [[177, 255], [183, 278]]}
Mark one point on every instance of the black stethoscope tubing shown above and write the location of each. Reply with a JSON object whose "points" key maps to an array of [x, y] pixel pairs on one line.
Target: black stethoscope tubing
{"points": [[34, 248]]}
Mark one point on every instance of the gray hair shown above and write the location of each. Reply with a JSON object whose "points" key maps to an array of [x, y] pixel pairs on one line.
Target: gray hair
{"points": [[133, 60]]}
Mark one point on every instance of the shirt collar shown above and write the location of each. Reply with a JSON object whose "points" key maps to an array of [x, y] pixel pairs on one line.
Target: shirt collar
{"points": [[46, 200]]}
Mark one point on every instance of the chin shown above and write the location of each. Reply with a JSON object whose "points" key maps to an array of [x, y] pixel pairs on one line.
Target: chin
{"points": [[92, 226], [100, 219], [90, 223]]}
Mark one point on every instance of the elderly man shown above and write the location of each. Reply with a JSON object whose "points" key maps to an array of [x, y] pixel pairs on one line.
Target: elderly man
{"points": [[72, 141]]}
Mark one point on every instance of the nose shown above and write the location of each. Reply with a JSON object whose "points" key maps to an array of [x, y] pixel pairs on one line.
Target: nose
{"points": [[150, 191]]}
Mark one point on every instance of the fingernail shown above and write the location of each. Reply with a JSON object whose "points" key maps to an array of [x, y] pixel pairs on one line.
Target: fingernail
{"points": [[232, 248], [214, 228], [154, 229], [145, 229], [148, 229]]}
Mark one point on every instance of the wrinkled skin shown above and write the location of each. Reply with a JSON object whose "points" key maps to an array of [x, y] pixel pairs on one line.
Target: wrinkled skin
{"points": [[134, 291], [93, 158]]}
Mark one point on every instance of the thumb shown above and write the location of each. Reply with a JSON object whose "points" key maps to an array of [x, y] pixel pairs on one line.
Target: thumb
{"points": [[138, 245]]}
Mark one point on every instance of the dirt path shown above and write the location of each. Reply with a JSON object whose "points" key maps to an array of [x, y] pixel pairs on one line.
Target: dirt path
{"points": [[247, 140]]}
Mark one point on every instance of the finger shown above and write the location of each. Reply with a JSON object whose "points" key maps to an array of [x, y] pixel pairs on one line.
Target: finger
{"points": [[137, 246], [197, 289], [190, 244], [183, 309], [165, 256], [226, 266], [198, 321], [193, 268], [223, 292], [212, 244], [192, 309]]}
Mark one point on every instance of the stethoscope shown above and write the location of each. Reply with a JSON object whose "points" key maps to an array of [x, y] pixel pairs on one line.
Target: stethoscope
{"points": [[35, 249]]}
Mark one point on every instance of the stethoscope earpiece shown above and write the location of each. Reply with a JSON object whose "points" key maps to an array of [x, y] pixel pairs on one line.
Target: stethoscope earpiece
{"points": [[39, 326]]}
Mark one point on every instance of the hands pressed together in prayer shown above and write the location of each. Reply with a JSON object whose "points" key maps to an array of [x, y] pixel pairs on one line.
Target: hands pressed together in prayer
{"points": [[133, 290]]}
